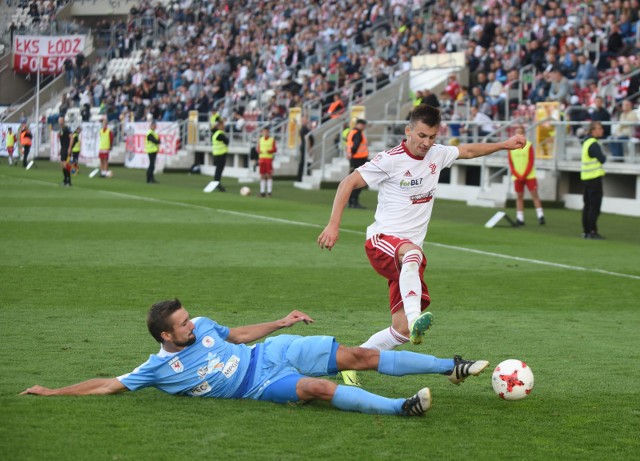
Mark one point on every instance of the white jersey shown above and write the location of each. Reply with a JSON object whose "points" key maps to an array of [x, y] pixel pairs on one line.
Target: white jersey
{"points": [[406, 189]]}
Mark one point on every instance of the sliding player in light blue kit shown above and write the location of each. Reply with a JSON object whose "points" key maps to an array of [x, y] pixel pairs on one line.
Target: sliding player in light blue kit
{"points": [[200, 358]]}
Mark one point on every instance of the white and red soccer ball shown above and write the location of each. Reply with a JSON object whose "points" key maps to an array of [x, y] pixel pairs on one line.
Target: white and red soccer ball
{"points": [[245, 191], [512, 379]]}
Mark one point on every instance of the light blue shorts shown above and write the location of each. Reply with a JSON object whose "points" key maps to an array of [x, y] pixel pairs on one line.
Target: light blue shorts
{"points": [[292, 357]]}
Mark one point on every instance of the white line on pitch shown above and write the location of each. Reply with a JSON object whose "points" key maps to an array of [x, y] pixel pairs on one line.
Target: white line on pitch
{"points": [[350, 231]]}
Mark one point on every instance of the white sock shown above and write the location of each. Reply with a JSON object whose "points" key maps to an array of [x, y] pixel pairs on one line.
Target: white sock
{"points": [[263, 186], [411, 285], [520, 215], [269, 185], [539, 212], [385, 340]]}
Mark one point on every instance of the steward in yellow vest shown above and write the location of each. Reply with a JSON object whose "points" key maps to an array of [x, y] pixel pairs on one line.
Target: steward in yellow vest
{"points": [[152, 147], [219, 149], [75, 151], [591, 174]]}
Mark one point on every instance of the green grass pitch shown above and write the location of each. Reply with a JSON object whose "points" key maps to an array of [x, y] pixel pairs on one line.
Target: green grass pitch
{"points": [[80, 266]]}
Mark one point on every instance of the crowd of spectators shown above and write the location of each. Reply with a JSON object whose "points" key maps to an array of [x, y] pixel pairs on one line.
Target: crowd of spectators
{"points": [[584, 56], [294, 52], [203, 55]]}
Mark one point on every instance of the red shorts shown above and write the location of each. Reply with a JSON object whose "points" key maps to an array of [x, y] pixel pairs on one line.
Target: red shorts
{"points": [[265, 165], [518, 184], [382, 251], [10, 151], [103, 154]]}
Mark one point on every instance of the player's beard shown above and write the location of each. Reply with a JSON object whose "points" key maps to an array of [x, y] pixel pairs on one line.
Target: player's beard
{"points": [[186, 343]]}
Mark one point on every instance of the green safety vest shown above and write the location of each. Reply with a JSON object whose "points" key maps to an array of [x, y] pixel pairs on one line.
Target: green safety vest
{"points": [[266, 146], [149, 147], [520, 161], [591, 167], [11, 139], [105, 139], [76, 143], [343, 137], [218, 147]]}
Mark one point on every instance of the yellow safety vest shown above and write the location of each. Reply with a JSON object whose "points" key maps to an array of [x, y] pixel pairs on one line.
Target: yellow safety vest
{"points": [[266, 146], [11, 139], [520, 161], [343, 137], [218, 147], [149, 147], [591, 167], [213, 119], [76, 143], [105, 139], [363, 149]]}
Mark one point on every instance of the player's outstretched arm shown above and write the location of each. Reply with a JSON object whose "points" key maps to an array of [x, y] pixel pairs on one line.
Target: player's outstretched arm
{"points": [[249, 333], [480, 149], [329, 236], [97, 386]]}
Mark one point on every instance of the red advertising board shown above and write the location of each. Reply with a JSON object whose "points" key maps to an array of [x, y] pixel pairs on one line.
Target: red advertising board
{"points": [[48, 53]]}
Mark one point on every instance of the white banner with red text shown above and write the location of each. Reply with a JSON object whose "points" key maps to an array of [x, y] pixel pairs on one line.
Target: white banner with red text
{"points": [[46, 52]]}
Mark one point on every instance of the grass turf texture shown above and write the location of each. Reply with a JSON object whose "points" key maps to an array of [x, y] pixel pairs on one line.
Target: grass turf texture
{"points": [[80, 266]]}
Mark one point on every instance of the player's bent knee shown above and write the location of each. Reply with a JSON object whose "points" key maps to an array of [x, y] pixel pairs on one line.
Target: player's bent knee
{"points": [[315, 389], [357, 358]]}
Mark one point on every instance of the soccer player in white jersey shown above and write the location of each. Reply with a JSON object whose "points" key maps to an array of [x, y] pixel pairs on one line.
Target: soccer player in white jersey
{"points": [[406, 177], [200, 358]]}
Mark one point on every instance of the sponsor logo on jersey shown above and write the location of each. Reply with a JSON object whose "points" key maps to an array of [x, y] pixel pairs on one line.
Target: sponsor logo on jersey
{"points": [[200, 389], [407, 174], [231, 366], [213, 365], [176, 365], [410, 183], [377, 158], [208, 341], [423, 198], [433, 168]]}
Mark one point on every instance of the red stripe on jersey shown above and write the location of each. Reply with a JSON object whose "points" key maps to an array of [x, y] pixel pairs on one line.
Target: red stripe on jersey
{"points": [[399, 149]]}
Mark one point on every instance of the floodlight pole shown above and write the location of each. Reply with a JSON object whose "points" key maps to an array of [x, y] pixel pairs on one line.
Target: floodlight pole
{"points": [[36, 143]]}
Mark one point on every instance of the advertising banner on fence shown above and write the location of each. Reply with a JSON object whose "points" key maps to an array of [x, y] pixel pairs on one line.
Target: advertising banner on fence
{"points": [[136, 135], [49, 51], [89, 139]]}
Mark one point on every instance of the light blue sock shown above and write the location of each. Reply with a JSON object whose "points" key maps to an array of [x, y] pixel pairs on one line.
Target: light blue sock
{"points": [[400, 363], [349, 398]]}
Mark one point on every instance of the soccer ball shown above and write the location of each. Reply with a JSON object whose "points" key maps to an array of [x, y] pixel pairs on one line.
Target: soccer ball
{"points": [[512, 380], [245, 191]]}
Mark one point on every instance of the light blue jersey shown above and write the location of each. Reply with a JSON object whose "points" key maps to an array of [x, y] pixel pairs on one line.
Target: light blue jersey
{"points": [[211, 367]]}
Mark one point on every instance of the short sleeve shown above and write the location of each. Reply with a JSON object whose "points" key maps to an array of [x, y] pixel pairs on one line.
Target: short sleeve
{"points": [[377, 169], [143, 376]]}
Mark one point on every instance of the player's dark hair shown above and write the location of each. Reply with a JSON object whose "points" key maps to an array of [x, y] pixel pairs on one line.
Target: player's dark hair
{"points": [[426, 114], [158, 317]]}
